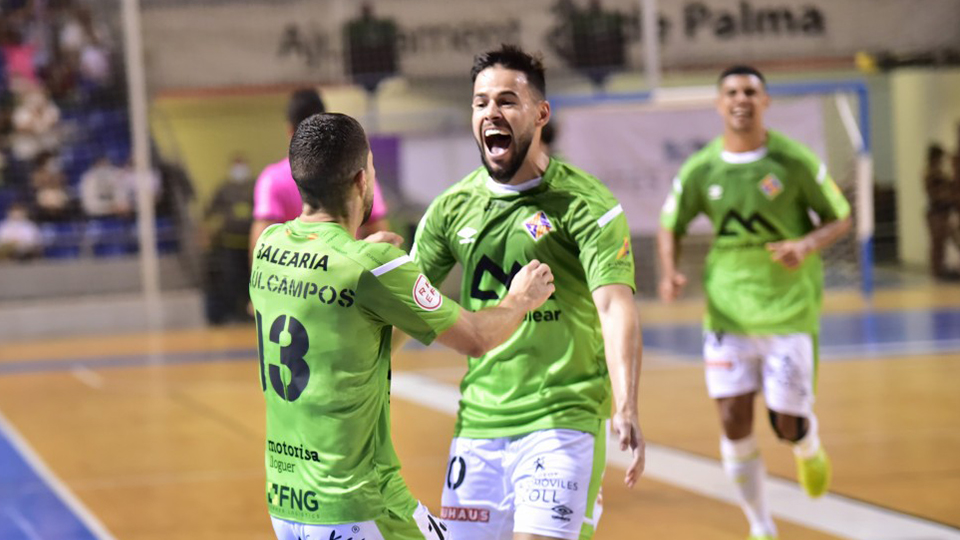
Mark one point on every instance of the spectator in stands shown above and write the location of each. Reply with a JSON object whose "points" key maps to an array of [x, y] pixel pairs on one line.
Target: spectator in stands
{"points": [[227, 222], [128, 183], [103, 191], [19, 237], [35, 122], [19, 55], [941, 201], [51, 200]]}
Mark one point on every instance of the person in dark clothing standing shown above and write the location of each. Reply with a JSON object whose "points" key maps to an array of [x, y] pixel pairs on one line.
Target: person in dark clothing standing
{"points": [[941, 201], [227, 221]]}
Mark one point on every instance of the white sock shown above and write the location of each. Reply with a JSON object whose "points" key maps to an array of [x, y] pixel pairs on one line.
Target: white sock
{"points": [[742, 463], [809, 445]]}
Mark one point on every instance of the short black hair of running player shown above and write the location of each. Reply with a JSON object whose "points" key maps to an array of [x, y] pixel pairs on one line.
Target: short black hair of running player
{"points": [[326, 153], [303, 104], [934, 152], [513, 57], [742, 69]]}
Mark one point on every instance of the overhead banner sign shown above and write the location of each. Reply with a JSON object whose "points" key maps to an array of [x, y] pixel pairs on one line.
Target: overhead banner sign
{"points": [[202, 43], [637, 151]]}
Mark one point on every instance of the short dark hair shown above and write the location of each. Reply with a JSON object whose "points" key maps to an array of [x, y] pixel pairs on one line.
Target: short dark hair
{"points": [[934, 152], [513, 57], [303, 104], [741, 69], [326, 152]]}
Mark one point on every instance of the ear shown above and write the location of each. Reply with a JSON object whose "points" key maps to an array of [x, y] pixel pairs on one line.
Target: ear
{"points": [[543, 113], [360, 182]]}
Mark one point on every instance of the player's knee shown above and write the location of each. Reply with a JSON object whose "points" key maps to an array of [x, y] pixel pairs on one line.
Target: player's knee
{"points": [[789, 428]]}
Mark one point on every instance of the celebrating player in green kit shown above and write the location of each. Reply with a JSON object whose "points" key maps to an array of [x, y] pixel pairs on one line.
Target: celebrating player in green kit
{"points": [[529, 449], [763, 280], [324, 306]]}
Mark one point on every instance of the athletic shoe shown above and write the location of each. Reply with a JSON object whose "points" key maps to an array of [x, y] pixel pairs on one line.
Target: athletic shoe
{"points": [[814, 473]]}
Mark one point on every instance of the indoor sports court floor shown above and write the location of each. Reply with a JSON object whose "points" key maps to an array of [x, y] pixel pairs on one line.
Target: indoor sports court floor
{"points": [[160, 436]]}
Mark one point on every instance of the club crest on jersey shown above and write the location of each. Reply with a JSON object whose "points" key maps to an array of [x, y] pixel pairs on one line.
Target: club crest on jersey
{"points": [[538, 226], [426, 295], [624, 249], [771, 186]]}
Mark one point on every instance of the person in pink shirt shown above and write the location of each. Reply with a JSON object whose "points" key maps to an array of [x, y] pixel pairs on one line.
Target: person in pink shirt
{"points": [[275, 195]]}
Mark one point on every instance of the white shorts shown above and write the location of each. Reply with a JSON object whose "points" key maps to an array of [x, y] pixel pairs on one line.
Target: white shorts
{"points": [[545, 483], [420, 526], [783, 366]]}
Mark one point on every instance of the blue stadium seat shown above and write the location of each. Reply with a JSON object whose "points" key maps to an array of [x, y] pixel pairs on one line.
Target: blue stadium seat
{"points": [[111, 237], [62, 240], [167, 241]]}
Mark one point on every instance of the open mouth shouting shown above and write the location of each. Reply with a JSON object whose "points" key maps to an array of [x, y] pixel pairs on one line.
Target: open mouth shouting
{"points": [[497, 142]]}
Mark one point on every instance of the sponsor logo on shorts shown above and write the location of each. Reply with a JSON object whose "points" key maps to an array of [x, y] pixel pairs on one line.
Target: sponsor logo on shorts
{"points": [[719, 363], [561, 512], [425, 295], [462, 513]]}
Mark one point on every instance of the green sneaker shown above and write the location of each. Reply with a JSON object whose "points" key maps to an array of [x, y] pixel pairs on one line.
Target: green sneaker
{"points": [[814, 474]]}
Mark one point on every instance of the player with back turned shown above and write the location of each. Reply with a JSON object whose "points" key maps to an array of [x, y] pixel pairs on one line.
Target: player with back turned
{"points": [[325, 305]]}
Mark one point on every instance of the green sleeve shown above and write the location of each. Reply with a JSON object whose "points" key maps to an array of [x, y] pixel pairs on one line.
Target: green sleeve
{"points": [[430, 248], [820, 190], [603, 236], [683, 203], [397, 293]]}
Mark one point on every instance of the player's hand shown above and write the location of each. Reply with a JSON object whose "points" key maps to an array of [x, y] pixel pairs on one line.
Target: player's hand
{"points": [[671, 286], [532, 285], [626, 427], [789, 253], [385, 237]]}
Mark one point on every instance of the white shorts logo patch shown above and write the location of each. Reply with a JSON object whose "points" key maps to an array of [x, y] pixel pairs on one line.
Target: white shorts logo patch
{"points": [[425, 295]]}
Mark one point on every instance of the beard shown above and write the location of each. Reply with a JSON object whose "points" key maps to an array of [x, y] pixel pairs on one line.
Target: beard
{"points": [[503, 175]]}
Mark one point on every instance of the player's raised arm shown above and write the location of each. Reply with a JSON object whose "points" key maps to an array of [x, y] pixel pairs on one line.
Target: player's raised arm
{"points": [[476, 333]]}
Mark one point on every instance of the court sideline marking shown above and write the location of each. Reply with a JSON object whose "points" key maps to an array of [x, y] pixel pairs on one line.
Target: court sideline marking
{"points": [[60, 490], [832, 514]]}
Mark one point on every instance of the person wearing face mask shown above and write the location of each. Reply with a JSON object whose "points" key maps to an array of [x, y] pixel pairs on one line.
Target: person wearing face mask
{"points": [[528, 453], [763, 282], [227, 222]]}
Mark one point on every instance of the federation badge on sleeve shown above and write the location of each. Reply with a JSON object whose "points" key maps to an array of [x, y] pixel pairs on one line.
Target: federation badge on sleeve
{"points": [[624, 249], [426, 295], [538, 226]]}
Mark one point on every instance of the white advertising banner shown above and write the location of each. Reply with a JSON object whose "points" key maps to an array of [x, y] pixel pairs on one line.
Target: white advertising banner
{"points": [[637, 151], [207, 43]]}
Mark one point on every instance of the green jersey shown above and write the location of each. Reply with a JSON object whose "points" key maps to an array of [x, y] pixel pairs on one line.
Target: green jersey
{"points": [[324, 305], [552, 372], [752, 199]]}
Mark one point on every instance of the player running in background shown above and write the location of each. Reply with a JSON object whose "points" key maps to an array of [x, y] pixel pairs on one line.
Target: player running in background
{"points": [[763, 280], [529, 448], [275, 195], [324, 305]]}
